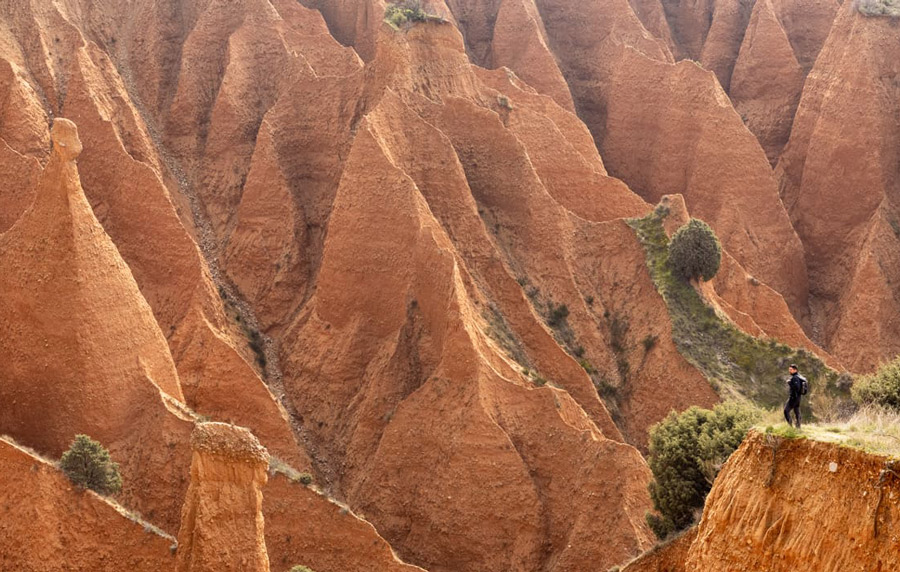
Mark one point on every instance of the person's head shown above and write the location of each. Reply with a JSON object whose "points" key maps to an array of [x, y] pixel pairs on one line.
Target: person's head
{"points": [[793, 369]]}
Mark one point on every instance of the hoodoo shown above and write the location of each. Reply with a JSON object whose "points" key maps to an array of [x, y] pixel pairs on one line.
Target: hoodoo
{"points": [[222, 520]]}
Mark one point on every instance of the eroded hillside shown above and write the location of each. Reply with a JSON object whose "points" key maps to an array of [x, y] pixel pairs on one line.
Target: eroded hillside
{"points": [[409, 259]]}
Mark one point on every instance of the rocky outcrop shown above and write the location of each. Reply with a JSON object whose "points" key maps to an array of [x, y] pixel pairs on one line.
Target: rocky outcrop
{"points": [[780, 45], [304, 527], [767, 80], [520, 44], [135, 188], [755, 519], [222, 524], [760, 52], [49, 525], [839, 184], [23, 173], [772, 508], [665, 557]]}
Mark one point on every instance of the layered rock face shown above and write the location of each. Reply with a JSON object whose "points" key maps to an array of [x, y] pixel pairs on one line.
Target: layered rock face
{"points": [[222, 525], [304, 527], [683, 136], [772, 508], [780, 45], [72, 313], [760, 51], [63, 62], [840, 185]]}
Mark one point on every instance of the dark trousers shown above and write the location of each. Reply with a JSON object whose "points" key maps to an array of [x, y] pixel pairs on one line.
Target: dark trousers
{"points": [[793, 404]]}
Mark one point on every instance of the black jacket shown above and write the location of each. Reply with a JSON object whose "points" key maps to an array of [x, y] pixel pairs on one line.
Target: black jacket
{"points": [[796, 386]]}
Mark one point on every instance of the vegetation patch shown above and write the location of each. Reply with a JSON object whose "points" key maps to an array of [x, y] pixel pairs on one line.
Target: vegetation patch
{"points": [[88, 465], [687, 450], [889, 8], [405, 13], [618, 332], [731, 359], [871, 429], [499, 331], [277, 466], [881, 388]]}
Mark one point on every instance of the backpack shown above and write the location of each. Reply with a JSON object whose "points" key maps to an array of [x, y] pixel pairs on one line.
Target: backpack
{"points": [[804, 385]]}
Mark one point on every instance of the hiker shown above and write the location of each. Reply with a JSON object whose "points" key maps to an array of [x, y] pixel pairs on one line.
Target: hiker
{"points": [[796, 386]]}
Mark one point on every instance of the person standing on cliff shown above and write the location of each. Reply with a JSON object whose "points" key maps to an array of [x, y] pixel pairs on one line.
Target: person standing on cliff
{"points": [[795, 387]]}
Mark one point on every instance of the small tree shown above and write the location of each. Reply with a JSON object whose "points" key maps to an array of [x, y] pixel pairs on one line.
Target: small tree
{"points": [[87, 464], [686, 452], [695, 251], [880, 388]]}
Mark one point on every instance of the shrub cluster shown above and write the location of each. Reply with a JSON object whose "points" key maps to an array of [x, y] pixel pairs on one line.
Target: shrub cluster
{"points": [[403, 12], [686, 452], [87, 464], [890, 8], [695, 251], [880, 388]]}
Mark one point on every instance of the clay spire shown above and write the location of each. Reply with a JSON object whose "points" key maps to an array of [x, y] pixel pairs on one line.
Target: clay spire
{"points": [[222, 520]]}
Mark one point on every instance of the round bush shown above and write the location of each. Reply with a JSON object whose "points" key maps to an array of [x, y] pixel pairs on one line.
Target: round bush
{"points": [[695, 251], [880, 388], [87, 464]]}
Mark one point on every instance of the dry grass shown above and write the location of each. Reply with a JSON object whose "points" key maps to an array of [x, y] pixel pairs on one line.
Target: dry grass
{"points": [[871, 429], [889, 8], [9, 439]]}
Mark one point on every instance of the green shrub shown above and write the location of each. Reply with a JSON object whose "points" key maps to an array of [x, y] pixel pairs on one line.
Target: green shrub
{"points": [[889, 8], [686, 452], [586, 365], [695, 251], [557, 314], [305, 479], [880, 388], [87, 464], [400, 13]]}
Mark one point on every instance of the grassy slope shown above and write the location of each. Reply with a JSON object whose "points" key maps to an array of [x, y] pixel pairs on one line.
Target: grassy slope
{"points": [[737, 364], [871, 429]]}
